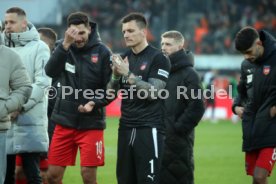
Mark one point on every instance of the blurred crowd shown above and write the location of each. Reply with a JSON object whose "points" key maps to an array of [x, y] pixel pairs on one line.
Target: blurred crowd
{"points": [[208, 26]]}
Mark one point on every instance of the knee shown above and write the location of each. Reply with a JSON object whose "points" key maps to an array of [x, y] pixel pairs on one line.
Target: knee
{"points": [[19, 173], [89, 175], [43, 174], [53, 177], [259, 179]]}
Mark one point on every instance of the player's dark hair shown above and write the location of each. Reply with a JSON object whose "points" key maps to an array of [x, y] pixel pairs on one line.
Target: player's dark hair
{"points": [[48, 32], [245, 38], [78, 18], [17, 10], [138, 17]]}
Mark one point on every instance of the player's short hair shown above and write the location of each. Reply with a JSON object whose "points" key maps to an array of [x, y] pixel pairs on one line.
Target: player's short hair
{"points": [[48, 32], [78, 18], [17, 10], [138, 17], [245, 38], [176, 35]]}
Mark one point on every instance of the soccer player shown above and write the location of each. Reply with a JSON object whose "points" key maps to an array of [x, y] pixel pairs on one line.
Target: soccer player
{"points": [[140, 138], [81, 62], [28, 135], [259, 123], [141, 75], [182, 113], [15, 89]]}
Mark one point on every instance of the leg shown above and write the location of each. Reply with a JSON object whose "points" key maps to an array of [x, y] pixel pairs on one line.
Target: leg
{"points": [[89, 175], [43, 174], [30, 163], [91, 146], [43, 168], [62, 153], [264, 165], [20, 177], [10, 174], [177, 164], [55, 174], [125, 170], [148, 146], [260, 176], [3, 156]]}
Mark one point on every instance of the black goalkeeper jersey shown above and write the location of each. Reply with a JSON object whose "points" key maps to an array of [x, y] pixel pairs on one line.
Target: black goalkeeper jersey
{"points": [[137, 112]]}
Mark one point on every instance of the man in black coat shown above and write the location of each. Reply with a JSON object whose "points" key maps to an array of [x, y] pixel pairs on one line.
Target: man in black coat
{"points": [[259, 122], [184, 108], [81, 62]]}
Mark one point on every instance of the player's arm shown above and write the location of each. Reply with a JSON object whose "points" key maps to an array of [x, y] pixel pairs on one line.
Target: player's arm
{"points": [[157, 78], [20, 87], [153, 86], [41, 80], [56, 64], [237, 106]]}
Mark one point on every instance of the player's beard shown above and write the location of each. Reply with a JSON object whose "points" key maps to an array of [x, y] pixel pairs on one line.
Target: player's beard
{"points": [[258, 56]]}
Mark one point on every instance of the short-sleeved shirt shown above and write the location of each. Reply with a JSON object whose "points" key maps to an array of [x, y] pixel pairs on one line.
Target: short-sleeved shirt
{"points": [[137, 112]]}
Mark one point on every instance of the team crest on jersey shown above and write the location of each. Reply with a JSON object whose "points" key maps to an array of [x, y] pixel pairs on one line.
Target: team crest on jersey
{"points": [[94, 58], [266, 70], [144, 65]]}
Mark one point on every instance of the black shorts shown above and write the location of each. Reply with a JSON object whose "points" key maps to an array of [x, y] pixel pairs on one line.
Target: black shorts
{"points": [[139, 151]]}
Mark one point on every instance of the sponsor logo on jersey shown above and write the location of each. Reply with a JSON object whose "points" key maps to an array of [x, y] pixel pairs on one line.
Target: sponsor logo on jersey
{"points": [[266, 69], [94, 58], [143, 66], [163, 73]]}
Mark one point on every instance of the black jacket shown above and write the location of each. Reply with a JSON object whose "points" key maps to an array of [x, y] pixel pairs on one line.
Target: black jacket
{"points": [[182, 114], [245, 87], [259, 129], [245, 99], [263, 129], [84, 69]]}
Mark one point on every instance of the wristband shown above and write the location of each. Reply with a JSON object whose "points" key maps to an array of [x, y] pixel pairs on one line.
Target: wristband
{"points": [[114, 77]]}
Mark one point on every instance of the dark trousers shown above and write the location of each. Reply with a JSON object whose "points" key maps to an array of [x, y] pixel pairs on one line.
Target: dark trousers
{"points": [[30, 163], [139, 151]]}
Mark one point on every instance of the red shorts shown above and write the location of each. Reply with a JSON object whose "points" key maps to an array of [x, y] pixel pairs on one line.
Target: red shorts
{"points": [[65, 144], [264, 158], [43, 165]]}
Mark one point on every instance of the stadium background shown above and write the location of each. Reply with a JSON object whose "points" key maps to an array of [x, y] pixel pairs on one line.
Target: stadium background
{"points": [[209, 27]]}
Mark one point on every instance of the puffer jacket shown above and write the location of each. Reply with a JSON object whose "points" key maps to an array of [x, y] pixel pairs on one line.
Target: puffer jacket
{"points": [[80, 70], [29, 131], [182, 114], [15, 85]]}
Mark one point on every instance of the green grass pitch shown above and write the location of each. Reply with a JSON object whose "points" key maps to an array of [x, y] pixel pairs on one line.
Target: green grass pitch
{"points": [[218, 156]]}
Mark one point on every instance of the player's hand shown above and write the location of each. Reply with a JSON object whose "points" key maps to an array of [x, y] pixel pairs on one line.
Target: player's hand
{"points": [[121, 65], [115, 58], [14, 115], [69, 37], [88, 107], [272, 111], [239, 111]]}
